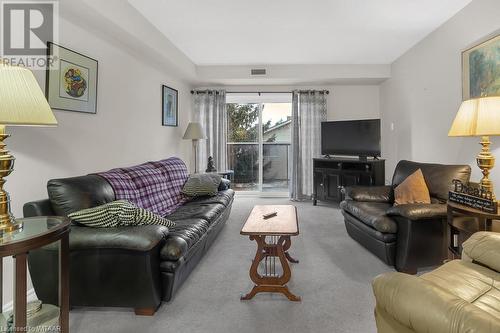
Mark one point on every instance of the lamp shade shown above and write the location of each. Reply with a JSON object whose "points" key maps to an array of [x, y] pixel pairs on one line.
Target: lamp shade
{"points": [[194, 131], [22, 102], [477, 117]]}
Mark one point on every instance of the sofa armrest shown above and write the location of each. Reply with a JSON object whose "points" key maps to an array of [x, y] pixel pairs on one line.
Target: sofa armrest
{"points": [[370, 193], [418, 211], [137, 238], [424, 308], [483, 247], [38, 208], [225, 184], [109, 267]]}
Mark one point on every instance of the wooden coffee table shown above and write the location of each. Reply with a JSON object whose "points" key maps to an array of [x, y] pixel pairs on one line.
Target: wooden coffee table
{"points": [[273, 242]]}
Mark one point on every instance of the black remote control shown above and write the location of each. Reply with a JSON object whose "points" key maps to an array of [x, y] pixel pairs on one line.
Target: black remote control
{"points": [[269, 215]]}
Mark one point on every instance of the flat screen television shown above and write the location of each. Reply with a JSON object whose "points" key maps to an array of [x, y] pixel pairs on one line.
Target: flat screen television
{"points": [[351, 137]]}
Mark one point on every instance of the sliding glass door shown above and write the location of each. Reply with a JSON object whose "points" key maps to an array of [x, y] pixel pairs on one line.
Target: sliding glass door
{"points": [[258, 142], [243, 144], [276, 140]]}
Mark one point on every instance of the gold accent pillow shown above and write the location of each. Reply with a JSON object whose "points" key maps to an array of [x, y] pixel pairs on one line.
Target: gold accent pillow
{"points": [[412, 190]]}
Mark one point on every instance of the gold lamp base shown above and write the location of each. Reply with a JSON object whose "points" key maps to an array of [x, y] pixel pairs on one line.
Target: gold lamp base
{"points": [[7, 221], [486, 162]]}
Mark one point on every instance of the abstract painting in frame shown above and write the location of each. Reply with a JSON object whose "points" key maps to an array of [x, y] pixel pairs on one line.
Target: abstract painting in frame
{"points": [[481, 69], [71, 81], [169, 106]]}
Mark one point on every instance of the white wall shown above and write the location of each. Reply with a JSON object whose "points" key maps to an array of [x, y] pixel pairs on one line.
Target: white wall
{"points": [[126, 129], [345, 102], [353, 102], [424, 93], [296, 75]]}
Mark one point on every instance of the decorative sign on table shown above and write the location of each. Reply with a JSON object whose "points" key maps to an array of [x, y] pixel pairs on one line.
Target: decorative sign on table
{"points": [[473, 197]]}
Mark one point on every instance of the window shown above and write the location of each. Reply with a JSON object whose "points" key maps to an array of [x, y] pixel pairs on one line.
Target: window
{"points": [[258, 141]]}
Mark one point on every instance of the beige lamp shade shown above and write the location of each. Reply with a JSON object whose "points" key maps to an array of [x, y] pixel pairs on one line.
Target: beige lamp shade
{"points": [[22, 102], [477, 117], [194, 131]]}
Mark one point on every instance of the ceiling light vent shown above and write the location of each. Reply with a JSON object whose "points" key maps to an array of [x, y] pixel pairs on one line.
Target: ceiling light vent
{"points": [[258, 71]]}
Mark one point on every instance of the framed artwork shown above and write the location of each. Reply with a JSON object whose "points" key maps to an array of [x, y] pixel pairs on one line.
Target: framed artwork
{"points": [[481, 69], [71, 80], [169, 106]]}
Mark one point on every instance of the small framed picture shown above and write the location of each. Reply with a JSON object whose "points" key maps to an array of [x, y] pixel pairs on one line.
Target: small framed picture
{"points": [[71, 80], [169, 106]]}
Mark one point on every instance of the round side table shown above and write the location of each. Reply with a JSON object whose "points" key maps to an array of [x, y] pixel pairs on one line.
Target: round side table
{"points": [[463, 221], [35, 233]]}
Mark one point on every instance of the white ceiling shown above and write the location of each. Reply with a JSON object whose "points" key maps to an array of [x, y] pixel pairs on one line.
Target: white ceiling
{"points": [[236, 32]]}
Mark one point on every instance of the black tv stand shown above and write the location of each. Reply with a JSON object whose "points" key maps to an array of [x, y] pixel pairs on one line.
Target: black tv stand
{"points": [[332, 174]]}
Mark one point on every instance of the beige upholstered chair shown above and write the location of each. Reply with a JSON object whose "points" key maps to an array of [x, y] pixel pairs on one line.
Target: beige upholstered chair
{"points": [[459, 296]]}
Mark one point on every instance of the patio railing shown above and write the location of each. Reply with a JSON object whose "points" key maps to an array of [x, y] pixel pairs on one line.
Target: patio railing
{"points": [[243, 158]]}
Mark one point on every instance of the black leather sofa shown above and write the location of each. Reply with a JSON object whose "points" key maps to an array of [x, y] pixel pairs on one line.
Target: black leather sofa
{"points": [[135, 267], [407, 236]]}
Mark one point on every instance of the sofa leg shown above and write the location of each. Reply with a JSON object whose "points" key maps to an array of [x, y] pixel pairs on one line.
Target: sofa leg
{"points": [[145, 311]]}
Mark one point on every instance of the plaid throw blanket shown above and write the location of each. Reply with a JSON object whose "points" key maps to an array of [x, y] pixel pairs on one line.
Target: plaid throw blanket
{"points": [[155, 186]]}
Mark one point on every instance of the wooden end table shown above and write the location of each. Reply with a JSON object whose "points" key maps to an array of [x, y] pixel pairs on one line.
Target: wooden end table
{"points": [[273, 241], [463, 221], [35, 233]]}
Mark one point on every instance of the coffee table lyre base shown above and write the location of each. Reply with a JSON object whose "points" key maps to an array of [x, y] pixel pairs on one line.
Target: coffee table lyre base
{"points": [[270, 249], [271, 281]]}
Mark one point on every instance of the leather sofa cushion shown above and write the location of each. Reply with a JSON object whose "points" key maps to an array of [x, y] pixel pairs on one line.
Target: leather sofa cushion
{"points": [[182, 237], [207, 211], [419, 211], [222, 197], [437, 176], [472, 283], [372, 234], [140, 238], [372, 214], [483, 247], [68, 195], [370, 193], [444, 304]]}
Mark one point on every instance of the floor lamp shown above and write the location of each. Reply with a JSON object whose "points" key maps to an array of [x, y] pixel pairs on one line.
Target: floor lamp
{"points": [[194, 132], [22, 103]]}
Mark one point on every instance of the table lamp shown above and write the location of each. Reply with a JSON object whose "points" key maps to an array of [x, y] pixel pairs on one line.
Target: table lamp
{"points": [[195, 132], [480, 117], [22, 103]]}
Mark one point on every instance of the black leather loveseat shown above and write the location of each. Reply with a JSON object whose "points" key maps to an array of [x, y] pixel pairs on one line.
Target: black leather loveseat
{"points": [[407, 236], [135, 267]]}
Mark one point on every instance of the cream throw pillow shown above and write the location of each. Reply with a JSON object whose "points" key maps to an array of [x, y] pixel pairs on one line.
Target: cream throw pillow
{"points": [[412, 190]]}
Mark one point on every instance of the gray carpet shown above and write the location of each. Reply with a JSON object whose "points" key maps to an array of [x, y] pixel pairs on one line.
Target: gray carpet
{"points": [[333, 278]]}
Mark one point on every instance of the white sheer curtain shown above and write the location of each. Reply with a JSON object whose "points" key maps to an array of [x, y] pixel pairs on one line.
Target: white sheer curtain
{"points": [[210, 111], [308, 111]]}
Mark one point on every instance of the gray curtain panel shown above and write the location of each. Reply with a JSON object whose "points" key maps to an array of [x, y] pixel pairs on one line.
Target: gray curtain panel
{"points": [[309, 109], [210, 111]]}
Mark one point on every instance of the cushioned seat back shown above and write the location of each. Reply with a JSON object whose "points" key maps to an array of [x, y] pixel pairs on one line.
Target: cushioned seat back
{"points": [[437, 176], [155, 186], [68, 195]]}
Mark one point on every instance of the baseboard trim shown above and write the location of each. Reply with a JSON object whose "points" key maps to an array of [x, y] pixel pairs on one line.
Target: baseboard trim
{"points": [[31, 296], [254, 194]]}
